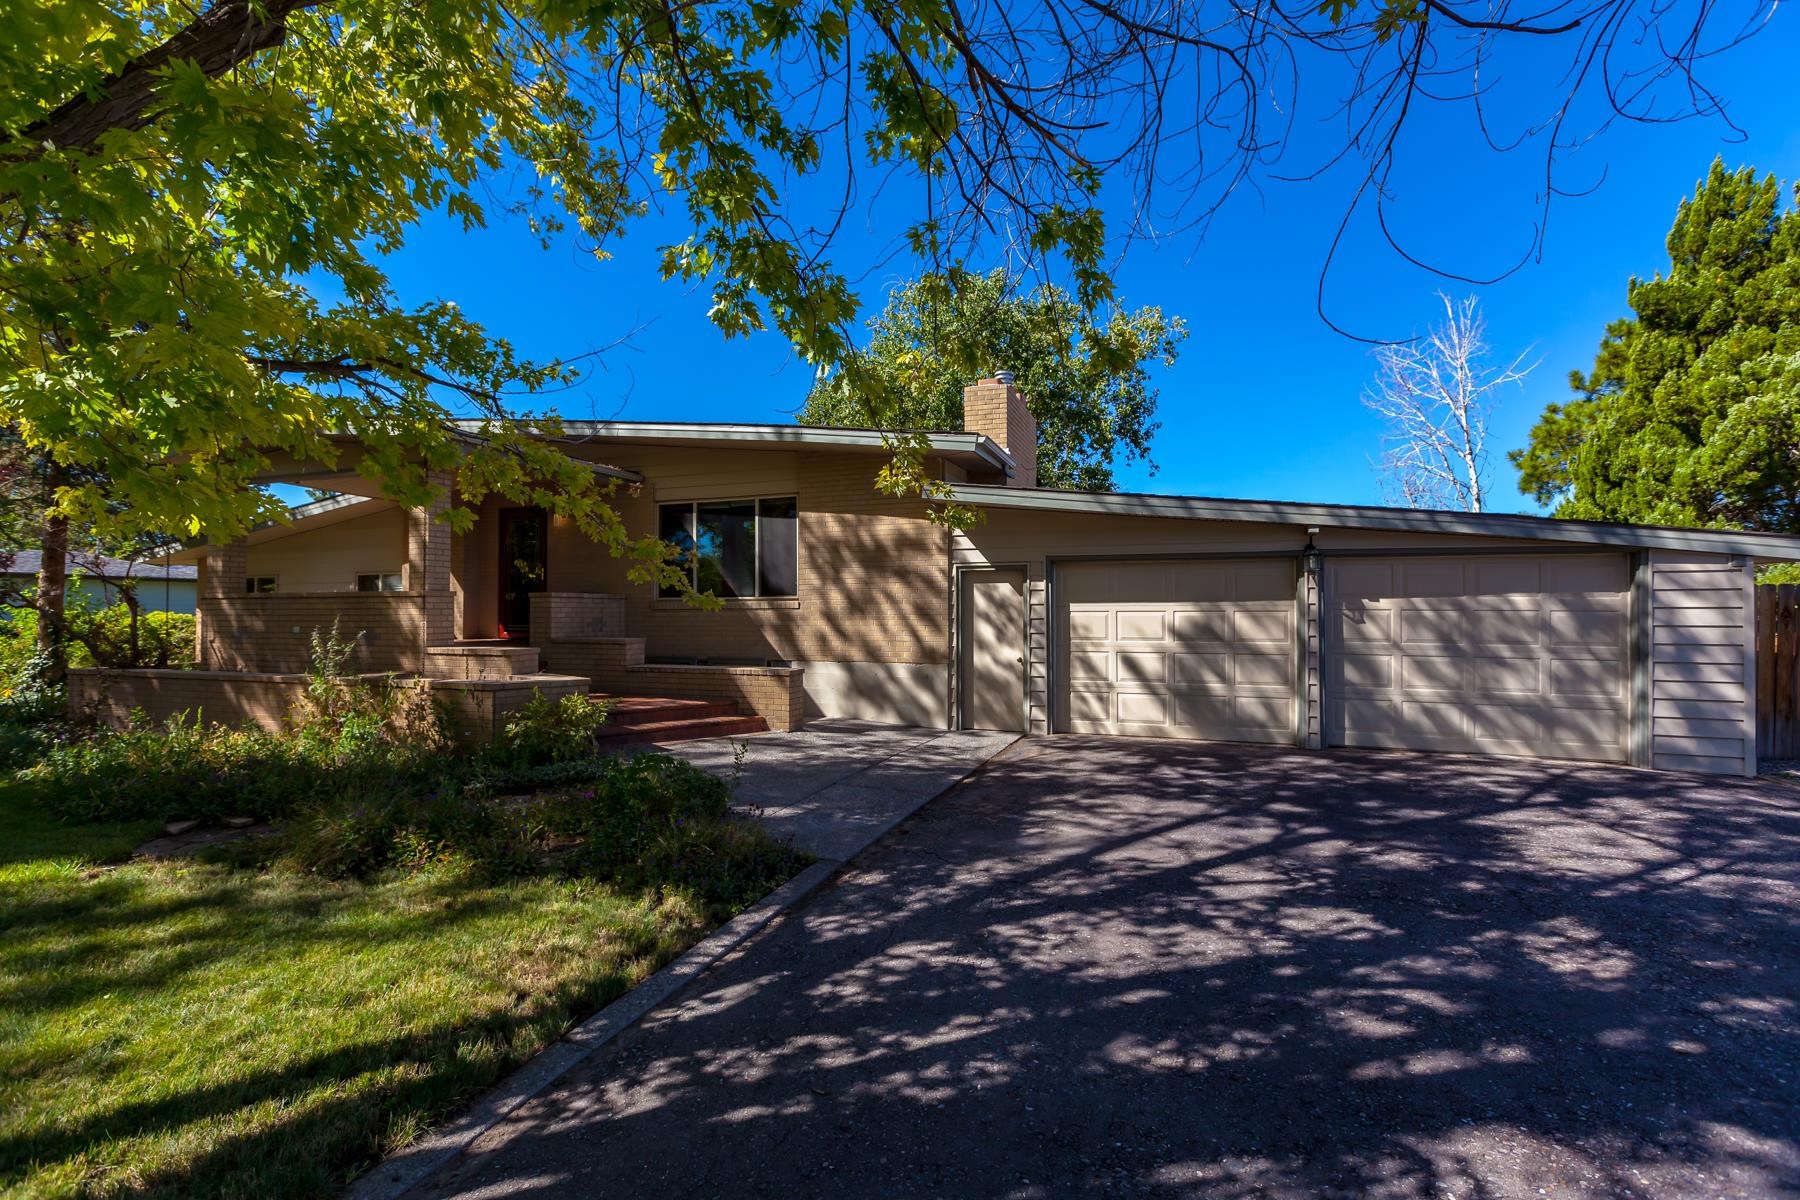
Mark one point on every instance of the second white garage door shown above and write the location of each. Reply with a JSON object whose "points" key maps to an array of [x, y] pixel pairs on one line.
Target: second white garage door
{"points": [[1502, 655], [1201, 649]]}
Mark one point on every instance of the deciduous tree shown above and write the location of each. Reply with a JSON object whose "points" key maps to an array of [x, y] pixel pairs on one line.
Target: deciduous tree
{"points": [[1085, 376], [1433, 395], [196, 199]]}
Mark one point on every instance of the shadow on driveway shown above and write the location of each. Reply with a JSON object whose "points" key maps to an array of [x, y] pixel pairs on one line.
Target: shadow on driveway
{"points": [[1158, 968]]}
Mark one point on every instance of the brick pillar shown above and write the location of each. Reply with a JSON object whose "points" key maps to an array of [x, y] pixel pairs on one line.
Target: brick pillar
{"points": [[223, 568], [995, 407], [428, 565]]}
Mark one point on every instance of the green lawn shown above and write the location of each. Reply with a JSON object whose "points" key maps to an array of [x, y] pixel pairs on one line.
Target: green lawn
{"points": [[196, 1030]]}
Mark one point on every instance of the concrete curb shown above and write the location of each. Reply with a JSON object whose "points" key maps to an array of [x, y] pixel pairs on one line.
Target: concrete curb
{"points": [[405, 1169]]}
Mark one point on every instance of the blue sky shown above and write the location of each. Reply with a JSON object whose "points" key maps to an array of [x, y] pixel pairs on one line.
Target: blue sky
{"points": [[1265, 400]]}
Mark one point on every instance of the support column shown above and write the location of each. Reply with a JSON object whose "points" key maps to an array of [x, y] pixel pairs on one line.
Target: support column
{"points": [[223, 569], [428, 565]]}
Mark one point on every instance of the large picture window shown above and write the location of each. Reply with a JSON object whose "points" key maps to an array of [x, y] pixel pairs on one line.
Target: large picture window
{"points": [[736, 549]]}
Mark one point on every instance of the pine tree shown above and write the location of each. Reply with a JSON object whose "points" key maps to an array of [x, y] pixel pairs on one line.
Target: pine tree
{"points": [[1691, 415]]}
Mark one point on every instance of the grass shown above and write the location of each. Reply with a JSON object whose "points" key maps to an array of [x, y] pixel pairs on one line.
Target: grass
{"points": [[195, 1029]]}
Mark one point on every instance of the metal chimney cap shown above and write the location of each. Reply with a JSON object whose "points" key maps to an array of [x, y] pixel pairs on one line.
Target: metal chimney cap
{"points": [[1003, 376]]}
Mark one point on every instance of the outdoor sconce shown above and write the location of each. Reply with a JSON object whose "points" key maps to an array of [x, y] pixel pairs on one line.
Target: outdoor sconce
{"points": [[1310, 557]]}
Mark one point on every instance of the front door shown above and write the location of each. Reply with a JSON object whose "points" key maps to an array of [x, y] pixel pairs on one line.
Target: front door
{"points": [[993, 650], [521, 568]]}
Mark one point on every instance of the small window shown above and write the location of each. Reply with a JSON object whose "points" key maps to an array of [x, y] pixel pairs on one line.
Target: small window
{"points": [[379, 581], [258, 585], [735, 549]]}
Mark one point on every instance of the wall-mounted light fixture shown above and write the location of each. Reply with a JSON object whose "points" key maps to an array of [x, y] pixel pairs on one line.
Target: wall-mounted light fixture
{"points": [[1310, 557]]}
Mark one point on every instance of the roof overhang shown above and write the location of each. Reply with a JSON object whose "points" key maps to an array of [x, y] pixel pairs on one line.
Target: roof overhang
{"points": [[965, 449], [1768, 546], [341, 475]]}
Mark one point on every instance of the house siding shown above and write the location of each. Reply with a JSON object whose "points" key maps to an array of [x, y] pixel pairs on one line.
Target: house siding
{"points": [[1702, 663]]}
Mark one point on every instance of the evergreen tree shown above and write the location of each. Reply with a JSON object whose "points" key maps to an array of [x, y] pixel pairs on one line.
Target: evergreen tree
{"points": [[1691, 415]]}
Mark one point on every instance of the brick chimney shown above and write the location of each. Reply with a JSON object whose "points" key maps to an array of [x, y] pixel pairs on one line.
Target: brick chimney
{"points": [[994, 406]]}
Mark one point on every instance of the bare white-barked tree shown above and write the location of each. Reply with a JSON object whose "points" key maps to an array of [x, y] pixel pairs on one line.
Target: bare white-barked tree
{"points": [[1434, 394]]}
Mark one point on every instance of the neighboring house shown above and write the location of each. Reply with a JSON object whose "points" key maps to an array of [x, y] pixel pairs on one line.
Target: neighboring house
{"points": [[1161, 616], [96, 581]]}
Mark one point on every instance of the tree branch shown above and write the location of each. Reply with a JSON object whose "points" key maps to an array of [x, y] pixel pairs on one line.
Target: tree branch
{"points": [[228, 33]]}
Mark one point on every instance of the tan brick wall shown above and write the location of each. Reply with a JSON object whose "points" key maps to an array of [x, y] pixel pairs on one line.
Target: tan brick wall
{"points": [[480, 662], [273, 632], [477, 707], [109, 697]]}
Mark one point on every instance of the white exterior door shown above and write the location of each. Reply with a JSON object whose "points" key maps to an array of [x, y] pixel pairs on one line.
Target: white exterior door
{"points": [[1519, 655], [1201, 649]]}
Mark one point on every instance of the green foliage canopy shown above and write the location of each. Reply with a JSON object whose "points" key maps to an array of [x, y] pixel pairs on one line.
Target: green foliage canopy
{"points": [[1691, 415], [1085, 375]]}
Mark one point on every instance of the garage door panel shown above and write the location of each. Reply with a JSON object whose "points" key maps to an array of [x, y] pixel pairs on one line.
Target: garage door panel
{"points": [[1362, 623], [1505, 576], [1520, 676], [1426, 672], [1201, 627], [1352, 670], [1089, 625], [1586, 677], [1263, 670], [1191, 671], [1263, 624], [1137, 667], [1507, 655], [1090, 707], [1601, 576], [1430, 577], [1272, 714], [1586, 627], [1136, 625], [1086, 665], [1186, 649], [1141, 708]]}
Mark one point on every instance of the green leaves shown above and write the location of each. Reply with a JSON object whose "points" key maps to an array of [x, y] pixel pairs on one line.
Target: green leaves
{"points": [[1086, 376], [1691, 415]]}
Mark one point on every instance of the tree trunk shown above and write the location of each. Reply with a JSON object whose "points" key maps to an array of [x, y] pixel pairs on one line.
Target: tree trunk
{"points": [[52, 588]]}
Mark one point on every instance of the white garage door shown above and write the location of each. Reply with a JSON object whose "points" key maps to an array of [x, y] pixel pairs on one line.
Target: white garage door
{"points": [[1499, 655], [1179, 649]]}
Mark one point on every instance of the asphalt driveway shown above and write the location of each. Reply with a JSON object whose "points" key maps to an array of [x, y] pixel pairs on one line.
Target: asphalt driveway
{"points": [[1154, 968]]}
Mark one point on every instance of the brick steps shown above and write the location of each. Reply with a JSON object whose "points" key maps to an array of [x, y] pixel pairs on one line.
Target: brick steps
{"points": [[638, 720], [649, 710]]}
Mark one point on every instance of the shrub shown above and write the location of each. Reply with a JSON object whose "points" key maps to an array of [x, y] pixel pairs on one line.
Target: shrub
{"points": [[102, 637], [550, 731], [408, 831]]}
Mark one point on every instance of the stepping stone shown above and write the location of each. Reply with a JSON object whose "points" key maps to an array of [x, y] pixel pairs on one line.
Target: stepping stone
{"points": [[177, 828]]}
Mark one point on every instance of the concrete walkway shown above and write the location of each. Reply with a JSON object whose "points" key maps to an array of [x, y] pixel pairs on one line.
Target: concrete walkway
{"points": [[838, 785]]}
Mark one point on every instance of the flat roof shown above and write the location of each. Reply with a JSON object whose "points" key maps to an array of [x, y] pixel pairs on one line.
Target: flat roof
{"points": [[1408, 520], [976, 445]]}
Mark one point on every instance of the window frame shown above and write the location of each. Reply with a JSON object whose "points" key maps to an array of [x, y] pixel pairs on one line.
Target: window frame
{"points": [[250, 582], [756, 502], [380, 589]]}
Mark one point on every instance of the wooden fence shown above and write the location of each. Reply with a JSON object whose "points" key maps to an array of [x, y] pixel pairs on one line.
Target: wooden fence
{"points": [[1778, 670]]}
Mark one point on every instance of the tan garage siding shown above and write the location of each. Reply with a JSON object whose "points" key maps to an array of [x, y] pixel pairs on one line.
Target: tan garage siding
{"points": [[1702, 664]]}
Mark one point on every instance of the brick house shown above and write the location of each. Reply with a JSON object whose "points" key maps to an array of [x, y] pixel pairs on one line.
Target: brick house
{"points": [[1166, 616]]}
